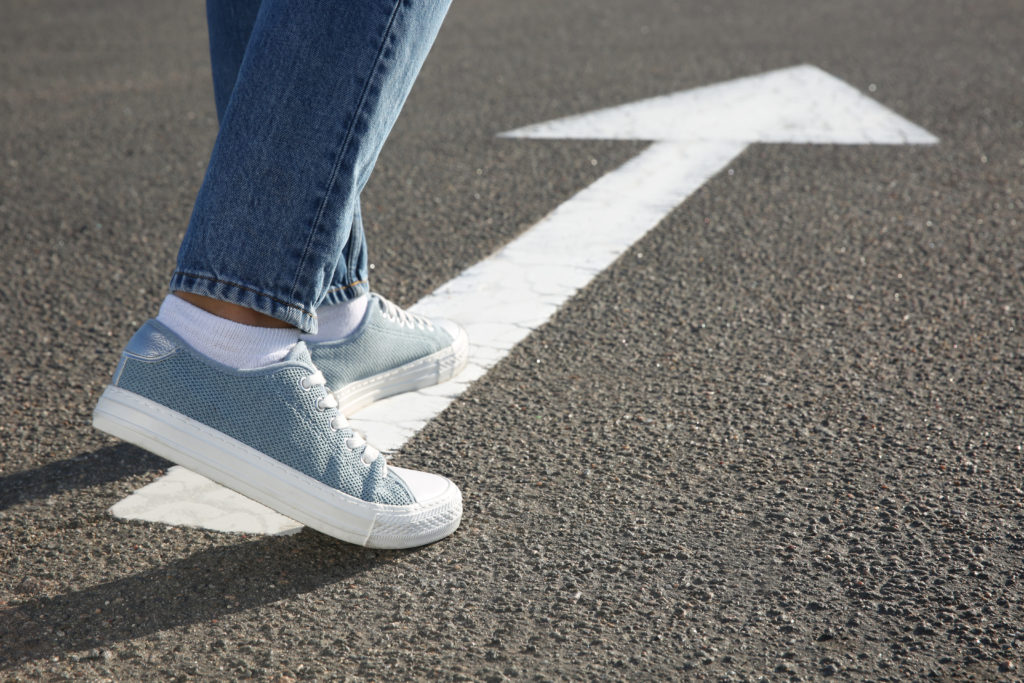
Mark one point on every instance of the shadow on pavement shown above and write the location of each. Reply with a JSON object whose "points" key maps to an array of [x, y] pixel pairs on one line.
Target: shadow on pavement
{"points": [[107, 464], [201, 587]]}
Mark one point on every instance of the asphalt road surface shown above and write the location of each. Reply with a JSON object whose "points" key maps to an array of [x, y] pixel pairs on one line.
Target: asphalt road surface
{"points": [[782, 437]]}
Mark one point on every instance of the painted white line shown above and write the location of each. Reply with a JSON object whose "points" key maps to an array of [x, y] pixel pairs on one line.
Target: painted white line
{"points": [[506, 296], [798, 105], [189, 499]]}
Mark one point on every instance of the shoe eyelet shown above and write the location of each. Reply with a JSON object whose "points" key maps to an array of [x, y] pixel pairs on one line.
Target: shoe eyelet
{"points": [[320, 404], [305, 383]]}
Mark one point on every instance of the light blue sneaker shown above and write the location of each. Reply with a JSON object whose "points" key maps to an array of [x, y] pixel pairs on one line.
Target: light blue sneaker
{"points": [[273, 434], [390, 352]]}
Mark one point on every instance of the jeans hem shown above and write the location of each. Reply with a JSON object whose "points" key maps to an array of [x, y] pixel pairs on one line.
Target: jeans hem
{"points": [[242, 295]]}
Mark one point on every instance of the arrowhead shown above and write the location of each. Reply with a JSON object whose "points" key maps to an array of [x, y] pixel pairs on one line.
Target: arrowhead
{"points": [[801, 104]]}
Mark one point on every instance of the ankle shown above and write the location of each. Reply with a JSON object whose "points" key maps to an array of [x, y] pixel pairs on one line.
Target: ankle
{"points": [[230, 311], [226, 341]]}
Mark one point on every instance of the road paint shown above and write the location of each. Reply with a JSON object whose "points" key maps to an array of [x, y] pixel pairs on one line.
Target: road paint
{"points": [[502, 299], [798, 105], [184, 498]]}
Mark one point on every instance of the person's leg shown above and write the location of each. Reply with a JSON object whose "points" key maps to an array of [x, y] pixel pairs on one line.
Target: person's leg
{"points": [[318, 89], [229, 23], [364, 348]]}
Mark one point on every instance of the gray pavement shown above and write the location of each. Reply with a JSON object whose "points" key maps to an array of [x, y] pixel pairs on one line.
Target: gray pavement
{"points": [[781, 438]]}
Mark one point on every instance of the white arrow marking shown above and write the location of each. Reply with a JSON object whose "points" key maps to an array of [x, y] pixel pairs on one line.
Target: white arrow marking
{"points": [[184, 498], [802, 104], [506, 296]]}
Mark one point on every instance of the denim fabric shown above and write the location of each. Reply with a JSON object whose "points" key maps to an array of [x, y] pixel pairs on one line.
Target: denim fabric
{"points": [[276, 225], [266, 409], [230, 24], [379, 344]]}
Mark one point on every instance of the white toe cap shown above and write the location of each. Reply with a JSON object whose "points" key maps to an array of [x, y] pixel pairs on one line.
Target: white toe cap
{"points": [[424, 486]]}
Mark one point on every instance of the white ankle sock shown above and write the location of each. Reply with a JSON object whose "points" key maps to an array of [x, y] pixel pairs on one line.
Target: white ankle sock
{"points": [[338, 320], [236, 345]]}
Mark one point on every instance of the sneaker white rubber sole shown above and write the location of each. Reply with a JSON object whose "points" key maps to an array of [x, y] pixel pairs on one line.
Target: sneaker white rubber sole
{"points": [[239, 467], [438, 367]]}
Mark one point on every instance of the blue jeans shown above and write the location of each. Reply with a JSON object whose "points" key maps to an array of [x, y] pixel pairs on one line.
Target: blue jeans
{"points": [[306, 94]]}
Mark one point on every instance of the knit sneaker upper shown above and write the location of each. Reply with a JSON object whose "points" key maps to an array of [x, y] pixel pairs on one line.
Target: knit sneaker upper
{"points": [[276, 410], [387, 338]]}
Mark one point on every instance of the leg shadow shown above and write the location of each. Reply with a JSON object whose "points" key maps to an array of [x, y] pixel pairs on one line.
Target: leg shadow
{"points": [[102, 466], [198, 588]]}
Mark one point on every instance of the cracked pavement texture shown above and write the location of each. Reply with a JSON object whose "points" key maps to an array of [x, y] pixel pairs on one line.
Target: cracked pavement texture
{"points": [[780, 438]]}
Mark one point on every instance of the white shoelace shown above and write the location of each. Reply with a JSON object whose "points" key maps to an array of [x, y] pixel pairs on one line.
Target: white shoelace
{"points": [[328, 402], [403, 317]]}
